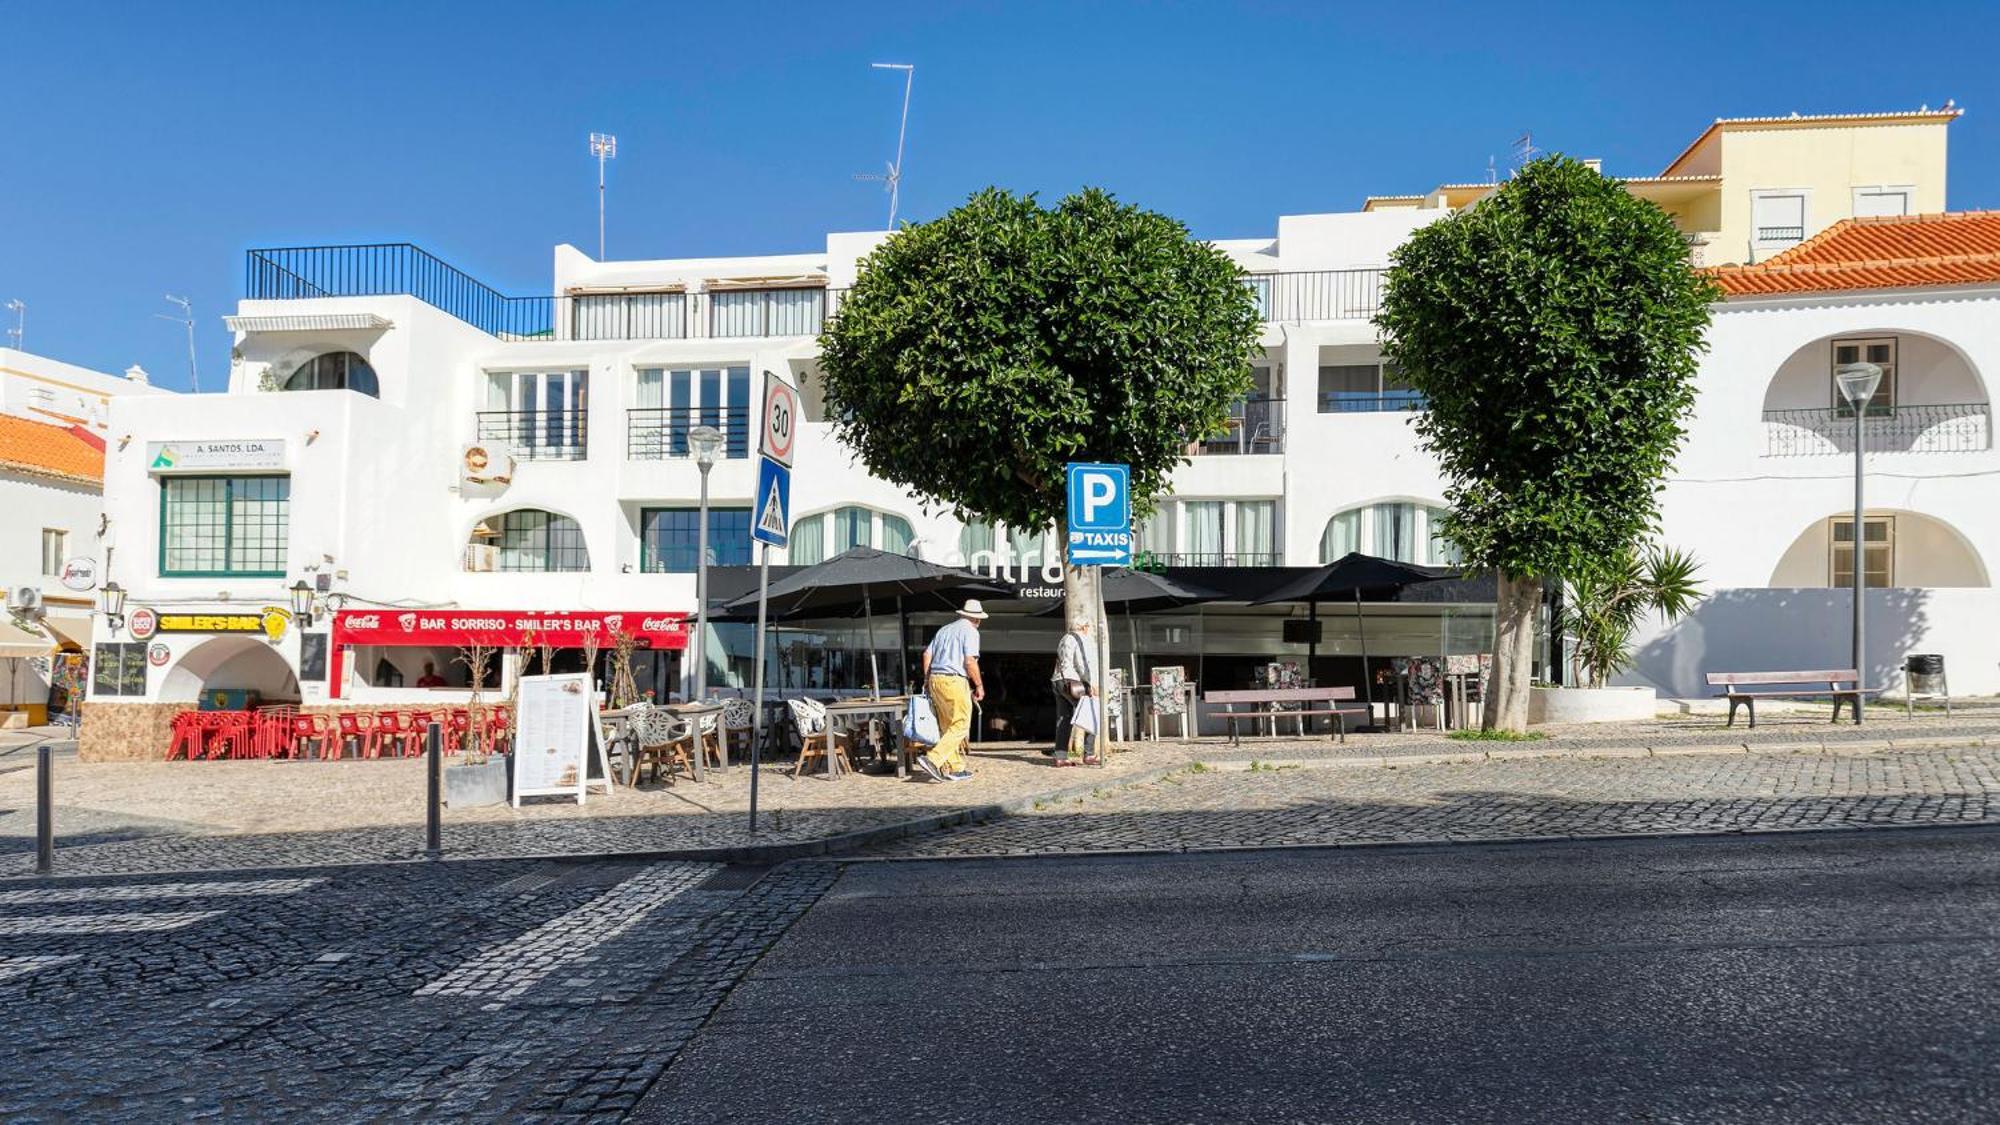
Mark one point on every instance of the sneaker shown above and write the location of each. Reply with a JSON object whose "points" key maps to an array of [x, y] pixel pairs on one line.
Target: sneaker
{"points": [[924, 764], [961, 775]]}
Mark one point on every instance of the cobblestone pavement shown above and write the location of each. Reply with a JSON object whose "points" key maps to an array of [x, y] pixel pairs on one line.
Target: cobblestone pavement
{"points": [[1278, 804], [516, 991]]}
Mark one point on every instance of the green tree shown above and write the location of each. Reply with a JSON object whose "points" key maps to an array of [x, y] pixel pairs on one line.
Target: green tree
{"points": [[1603, 606], [1554, 330], [979, 353]]}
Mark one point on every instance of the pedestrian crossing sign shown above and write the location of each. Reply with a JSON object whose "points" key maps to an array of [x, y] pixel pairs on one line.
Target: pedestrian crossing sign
{"points": [[774, 503]]}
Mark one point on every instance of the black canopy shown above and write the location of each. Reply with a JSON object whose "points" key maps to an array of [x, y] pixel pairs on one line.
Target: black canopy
{"points": [[1145, 591], [840, 586], [1355, 573]]}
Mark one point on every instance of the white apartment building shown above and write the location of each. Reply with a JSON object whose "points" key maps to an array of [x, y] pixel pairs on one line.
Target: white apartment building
{"points": [[363, 376]]}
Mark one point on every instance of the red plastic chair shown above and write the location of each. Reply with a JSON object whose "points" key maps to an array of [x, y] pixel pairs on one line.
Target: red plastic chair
{"points": [[308, 729], [396, 733], [186, 741], [457, 730], [230, 734], [357, 727]]}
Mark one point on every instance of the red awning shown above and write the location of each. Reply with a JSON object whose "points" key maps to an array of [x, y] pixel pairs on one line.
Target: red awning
{"points": [[506, 628]]}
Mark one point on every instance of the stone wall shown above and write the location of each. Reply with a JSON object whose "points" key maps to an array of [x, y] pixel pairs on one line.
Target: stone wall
{"points": [[126, 732]]}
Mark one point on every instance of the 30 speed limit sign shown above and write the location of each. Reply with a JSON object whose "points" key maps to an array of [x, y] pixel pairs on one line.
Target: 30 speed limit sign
{"points": [[781, 419]]}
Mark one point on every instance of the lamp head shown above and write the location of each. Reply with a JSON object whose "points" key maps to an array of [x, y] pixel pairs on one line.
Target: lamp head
{"points": [[114, 600], [302, 601], [706, 441], [1857, 382]]}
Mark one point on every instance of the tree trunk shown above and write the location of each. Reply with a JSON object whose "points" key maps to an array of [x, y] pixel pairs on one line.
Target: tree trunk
{"points": [[1516, 603]]}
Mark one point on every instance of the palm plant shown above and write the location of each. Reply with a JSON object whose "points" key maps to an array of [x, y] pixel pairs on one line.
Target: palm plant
{"points": [[1603, 606]]}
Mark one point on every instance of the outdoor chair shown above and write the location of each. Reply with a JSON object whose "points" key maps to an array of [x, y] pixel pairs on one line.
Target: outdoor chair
{"points": [[657, 735], [1171, 697], [358, 728], [311, 729], [395, 733], [738, 726], [809, 716], [186, 740]]}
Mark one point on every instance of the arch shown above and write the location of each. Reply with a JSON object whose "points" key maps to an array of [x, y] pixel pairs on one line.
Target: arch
{"points": [[335, 371], [822, 534], [1923, 551], [527, 540], [1407, 522], [1931, 370], [230, 662]]}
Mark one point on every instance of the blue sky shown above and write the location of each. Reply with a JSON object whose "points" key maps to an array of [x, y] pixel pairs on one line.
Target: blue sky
{"points": [[144, 147]]}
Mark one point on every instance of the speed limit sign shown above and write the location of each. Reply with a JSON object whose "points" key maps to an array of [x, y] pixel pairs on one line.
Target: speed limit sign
{"points": [[781, 419]]}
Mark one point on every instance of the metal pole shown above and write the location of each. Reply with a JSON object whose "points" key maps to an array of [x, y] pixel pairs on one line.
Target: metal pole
{"points": [[1101, 675], [434, 804], [757, 708], [600, 205], [1860, 567], [701, 596], [45, 809]]}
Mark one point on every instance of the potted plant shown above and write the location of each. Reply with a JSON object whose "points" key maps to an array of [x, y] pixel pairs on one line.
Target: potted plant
{"points": [[1602, 608], [478, 777]]}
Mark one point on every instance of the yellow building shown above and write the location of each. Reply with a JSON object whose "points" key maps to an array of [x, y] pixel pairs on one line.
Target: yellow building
{"points": [[1751, 187]]}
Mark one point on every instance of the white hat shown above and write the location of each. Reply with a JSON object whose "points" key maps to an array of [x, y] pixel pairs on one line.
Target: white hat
{"points": [[973, 610]]}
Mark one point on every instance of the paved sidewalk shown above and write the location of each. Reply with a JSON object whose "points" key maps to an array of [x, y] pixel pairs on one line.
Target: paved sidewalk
{"points": [[1290, 804]]}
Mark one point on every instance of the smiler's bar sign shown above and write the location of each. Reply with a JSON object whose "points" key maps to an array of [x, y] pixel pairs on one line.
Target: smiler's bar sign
{"points": [[505, 628]]}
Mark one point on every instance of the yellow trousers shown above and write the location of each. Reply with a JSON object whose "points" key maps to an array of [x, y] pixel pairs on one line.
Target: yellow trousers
{"points": [[951, 698]]}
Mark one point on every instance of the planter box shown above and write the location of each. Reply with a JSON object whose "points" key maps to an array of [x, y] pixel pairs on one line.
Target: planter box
{"points": [[1592, 705], [467, 787]]}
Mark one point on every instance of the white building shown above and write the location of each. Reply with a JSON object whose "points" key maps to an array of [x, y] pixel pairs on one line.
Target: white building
{"points": [[363, 376], [52, 420]]}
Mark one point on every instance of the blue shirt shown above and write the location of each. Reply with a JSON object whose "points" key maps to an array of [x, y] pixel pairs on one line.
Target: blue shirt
{"points": [[954, 644]]}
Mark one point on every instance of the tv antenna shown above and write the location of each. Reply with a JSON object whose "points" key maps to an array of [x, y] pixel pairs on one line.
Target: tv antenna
{"points": [[186, 318], [20, 330], [604, 147], [892, 179], [1524, 149]]}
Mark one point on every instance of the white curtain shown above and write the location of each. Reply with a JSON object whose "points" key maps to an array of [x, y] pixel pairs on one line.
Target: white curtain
{"points": [[896, 535], [1396, 532], [1443, 552], [1342, 536], [973, 539], [808, 544], [1256, 529], [1204, 531]]}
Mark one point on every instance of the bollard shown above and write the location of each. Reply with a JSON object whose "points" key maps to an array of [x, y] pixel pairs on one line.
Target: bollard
{"points": [[45, 809], [434, 808]]}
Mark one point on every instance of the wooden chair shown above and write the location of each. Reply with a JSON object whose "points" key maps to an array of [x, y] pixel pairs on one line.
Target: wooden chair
{"points": [[809, 716]]}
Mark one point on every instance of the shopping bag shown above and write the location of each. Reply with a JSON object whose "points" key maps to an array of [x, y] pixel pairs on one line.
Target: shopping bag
{"points": [[920, 722], [1085, 718]]}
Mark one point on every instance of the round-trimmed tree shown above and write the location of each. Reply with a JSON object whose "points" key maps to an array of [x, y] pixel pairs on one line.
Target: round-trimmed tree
{"points": [[1554, 330], [980, 352]]}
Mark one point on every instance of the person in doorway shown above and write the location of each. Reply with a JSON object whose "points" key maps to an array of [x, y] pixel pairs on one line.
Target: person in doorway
{"points": [[1072, 683], [951, 678], [430, 678]]}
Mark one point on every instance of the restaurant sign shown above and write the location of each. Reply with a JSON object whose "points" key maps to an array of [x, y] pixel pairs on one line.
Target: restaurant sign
{"points": [[214, 456], [270, 621], [505, 628]]}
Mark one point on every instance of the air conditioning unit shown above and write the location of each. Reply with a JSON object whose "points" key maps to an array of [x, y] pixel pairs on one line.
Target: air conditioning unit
{"points": [[25, 600], [482, 557]]}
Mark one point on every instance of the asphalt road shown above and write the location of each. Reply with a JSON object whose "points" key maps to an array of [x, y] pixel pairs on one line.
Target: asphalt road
{"points": [[1824, 977]]}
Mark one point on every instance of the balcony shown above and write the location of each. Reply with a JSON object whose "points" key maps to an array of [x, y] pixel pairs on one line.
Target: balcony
{"points": [[660, 433], [1927, 428], [1255, 425], [1285, 298], [1153, 560], [1357, 402], [537, 435]]}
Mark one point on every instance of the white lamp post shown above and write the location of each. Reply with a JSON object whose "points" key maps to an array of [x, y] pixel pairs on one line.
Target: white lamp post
{"points": [[604, 147], [1857, 382], [706, 441]]}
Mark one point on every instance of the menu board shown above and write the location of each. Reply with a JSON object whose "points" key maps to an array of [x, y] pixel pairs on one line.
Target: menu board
{"points": [[553, 738]]}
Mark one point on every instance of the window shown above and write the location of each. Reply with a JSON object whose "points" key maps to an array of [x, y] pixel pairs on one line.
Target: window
{"points": [[767, 312], [1878, 553], [1777, 218], [335, 371], [1260, 292], [1395, 532], [1443, 552], [1156, 532], [629, 316], [897, 535], [1342, 536], [1027, 543], [670, 543], [853, 527], [1352, 388], [1399, 530], [119, 669], [55, 550], [1204, 532], [665, 410], [974, 539], [535, 541], [224, 525], [808, 541], [1881, 353], [1256, 532], [541, 414], [1875, 201]]}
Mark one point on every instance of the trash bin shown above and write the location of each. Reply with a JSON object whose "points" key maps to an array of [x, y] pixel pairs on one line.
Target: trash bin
{"points": [[1923, 675]]}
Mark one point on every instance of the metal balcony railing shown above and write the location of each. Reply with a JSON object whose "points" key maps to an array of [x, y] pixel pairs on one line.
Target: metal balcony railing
{"points": [[1926, 428], [537, 435], [1256, 425], [1317, 295], [661, 433], [1781, 234], [1143, 560], [1357, 402]]}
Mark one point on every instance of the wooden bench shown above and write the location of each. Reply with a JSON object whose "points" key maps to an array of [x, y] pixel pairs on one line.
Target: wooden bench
{"points": [[1293, 703], [1791, 685]]}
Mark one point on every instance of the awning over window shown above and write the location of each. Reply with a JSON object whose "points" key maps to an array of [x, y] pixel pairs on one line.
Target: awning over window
{"points": [[69, 629], [802, 281], [311, 322], [18, 642]]}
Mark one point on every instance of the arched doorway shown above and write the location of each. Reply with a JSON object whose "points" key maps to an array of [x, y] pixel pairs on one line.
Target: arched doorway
{"points": [[231, 664]]}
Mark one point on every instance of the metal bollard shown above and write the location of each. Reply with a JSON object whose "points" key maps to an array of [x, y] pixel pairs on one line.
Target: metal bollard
{"points": [[434, 810], [45, 809]]}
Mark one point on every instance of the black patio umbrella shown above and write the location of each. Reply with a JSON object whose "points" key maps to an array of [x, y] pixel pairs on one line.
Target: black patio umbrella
{"points": [[1355, 573], [832, 589]]}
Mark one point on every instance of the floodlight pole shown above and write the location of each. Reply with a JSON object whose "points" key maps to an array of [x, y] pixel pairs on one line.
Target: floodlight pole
{"points": [[1857, 383], [186, 318], [604, 146], [895, 174]]}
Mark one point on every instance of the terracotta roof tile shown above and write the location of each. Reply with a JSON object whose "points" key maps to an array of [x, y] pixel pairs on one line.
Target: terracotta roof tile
{"points": [[1961, 248], [46, 450]]}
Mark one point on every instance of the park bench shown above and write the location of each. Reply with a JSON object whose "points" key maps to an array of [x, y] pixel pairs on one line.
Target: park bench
{"points": [[1290, 703], [1790, 685]]}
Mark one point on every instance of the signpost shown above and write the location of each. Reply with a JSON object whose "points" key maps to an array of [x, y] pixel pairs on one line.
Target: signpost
{"points": [[1100, 535], [770, 528]]}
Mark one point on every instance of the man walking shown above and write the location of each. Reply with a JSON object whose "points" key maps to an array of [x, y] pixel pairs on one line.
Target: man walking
{"points": [[951, 675]]}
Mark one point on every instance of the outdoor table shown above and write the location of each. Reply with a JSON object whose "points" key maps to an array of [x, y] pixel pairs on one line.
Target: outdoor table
{"points": [[852, 709]]}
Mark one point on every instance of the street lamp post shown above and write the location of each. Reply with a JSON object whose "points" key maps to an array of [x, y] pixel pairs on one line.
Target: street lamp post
{"points": [[1857, 383], [706, 441]]}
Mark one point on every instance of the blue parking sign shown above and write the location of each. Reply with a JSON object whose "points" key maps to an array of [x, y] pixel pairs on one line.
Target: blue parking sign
{"points": [[1100, 515]]}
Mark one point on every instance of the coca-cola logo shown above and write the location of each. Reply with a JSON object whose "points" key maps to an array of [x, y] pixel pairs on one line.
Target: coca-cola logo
{"points": [[365, 621], [661, 624]]}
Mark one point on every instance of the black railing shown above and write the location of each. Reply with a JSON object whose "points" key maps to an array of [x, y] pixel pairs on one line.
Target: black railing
{"points": [[1780, 234], [1255, 425], [537, 435], [1927, 428], [1205, 558], [1357, 402], [395, 268], [1317, 295], [660, 433]]}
